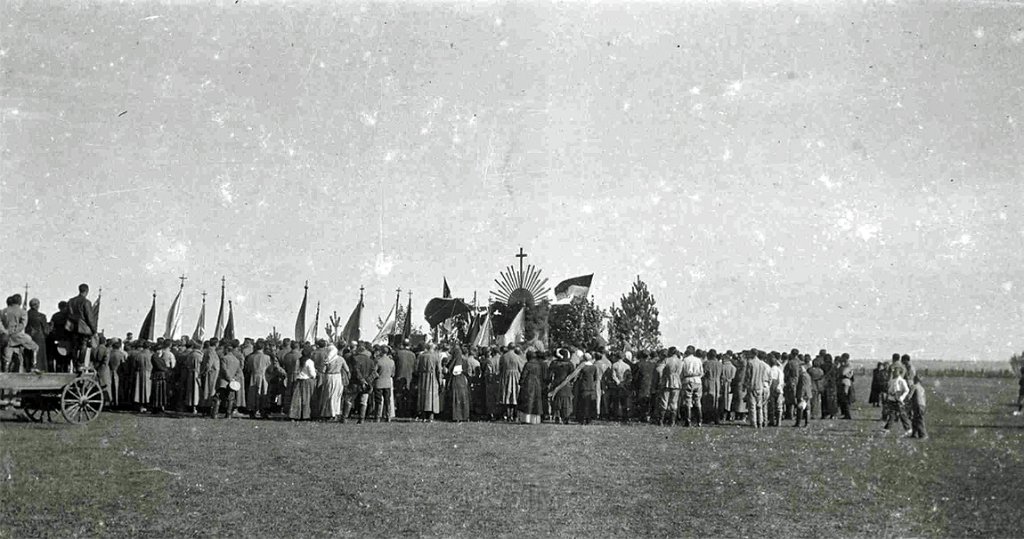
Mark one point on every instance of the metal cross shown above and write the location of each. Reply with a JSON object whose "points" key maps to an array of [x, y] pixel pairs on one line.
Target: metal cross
{"points": [[521, 256], [183, 279]]}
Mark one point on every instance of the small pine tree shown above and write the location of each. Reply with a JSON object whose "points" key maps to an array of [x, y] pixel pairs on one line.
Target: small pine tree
{"points": [[577, 324], [635, 321]]}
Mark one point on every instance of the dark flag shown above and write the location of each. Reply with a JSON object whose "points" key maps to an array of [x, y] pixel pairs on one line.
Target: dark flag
{"points": [[229, 327], [95, 308], [200, 333], [300, 320], [351, 331], [146, 333], [569, 289], [440, 309], [446, 292], [407, 326]]}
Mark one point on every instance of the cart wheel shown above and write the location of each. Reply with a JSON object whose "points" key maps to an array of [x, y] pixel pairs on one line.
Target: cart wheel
{"points": [[34, 415], [81, 401]]}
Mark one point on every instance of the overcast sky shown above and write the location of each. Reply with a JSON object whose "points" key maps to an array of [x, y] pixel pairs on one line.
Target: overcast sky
{"points": [[827, 174]]}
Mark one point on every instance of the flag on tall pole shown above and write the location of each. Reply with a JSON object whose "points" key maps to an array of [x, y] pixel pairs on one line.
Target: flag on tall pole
{"points": [[517, 330], [353, 328], [407, 327], [386, 329], [484, 334], [147, 331], [218, 330], [95, 306], [173, 328], [395, 329], [200, 333], [316, 321], [229, 327], [569, 289], [300, 320]]}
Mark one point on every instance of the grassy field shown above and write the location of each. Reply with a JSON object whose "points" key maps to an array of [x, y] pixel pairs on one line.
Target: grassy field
{"points": [[130, 475]]}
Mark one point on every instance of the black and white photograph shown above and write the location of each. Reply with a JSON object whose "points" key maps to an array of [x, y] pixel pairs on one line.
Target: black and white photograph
{"points": [[540, 268]]}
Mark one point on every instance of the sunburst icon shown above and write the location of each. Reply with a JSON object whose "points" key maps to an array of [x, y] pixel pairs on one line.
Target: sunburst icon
{"points": [[520, 287]]}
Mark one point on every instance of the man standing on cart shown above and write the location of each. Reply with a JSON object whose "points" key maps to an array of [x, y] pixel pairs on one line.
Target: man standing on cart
{"points": [[81, 326]]}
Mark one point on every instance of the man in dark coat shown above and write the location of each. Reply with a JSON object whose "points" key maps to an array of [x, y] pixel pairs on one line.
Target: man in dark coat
{"points": [[586, 391], [230, 371], [713, 387], [405, 366], [645, 383], [364, 372], [36, 328], [791, 376], [81, 325], [57, 340]]}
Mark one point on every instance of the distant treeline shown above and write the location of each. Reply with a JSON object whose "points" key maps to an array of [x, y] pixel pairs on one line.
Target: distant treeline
{"points": [[943, 368]]}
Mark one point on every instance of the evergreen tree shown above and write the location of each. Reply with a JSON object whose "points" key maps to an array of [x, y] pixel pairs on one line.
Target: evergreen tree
{"points": [[577, 324], [635, 321]]}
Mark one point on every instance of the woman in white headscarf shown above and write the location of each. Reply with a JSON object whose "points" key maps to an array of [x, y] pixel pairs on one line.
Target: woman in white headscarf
{"points": [[336, 377]]}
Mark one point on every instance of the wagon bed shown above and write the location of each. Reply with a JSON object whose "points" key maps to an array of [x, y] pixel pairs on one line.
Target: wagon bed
{"points": [[78, 397]]}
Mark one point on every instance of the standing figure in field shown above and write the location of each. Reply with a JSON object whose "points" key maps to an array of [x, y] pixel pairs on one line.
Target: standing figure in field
{"points": [[141, 373], [804, 396], [739, 387], [256, 384], [757, 389], [585, 389], [511, 370], [163, 363], [13, 321], [81, 325], [300, 403], [115, 361], [917, 401], [691, 375], [877, 381], [193, 379], [776, 391], [728, 374], [490, 373], [1020, 392], [561, 403], [403, 396], [384, 386], [896, 398], [531, 390], [844, 387], [671, 384], [713, 387], [602, 364], [791, 374], [645, 381], [36, 328], [620, 386], [428, 383], [829, 397], [459, 399], [58, 341]]}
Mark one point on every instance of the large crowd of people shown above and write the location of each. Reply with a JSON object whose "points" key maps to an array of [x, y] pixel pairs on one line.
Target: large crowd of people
{"points": [[337, 381]]}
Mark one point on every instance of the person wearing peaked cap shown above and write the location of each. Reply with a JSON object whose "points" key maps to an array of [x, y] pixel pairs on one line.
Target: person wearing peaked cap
{"points": [[585, 391]]}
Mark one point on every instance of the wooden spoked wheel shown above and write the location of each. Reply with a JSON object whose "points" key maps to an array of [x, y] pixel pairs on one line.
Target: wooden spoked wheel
{"points": [[81, 401]]}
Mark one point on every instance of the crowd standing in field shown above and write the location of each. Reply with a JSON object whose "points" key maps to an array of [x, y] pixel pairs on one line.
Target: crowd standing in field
{"points": [[343, 381]]}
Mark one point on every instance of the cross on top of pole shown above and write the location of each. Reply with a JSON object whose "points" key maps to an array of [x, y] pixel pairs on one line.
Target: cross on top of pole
{"points": [[183, 279], [521, 256]]}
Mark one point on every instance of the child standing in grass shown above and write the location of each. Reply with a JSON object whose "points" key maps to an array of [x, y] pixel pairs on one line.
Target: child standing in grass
{"points": [[917, 406]]}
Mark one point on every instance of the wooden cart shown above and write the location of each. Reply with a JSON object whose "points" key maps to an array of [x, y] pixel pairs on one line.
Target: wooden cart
{"points": [[78, 397]]}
